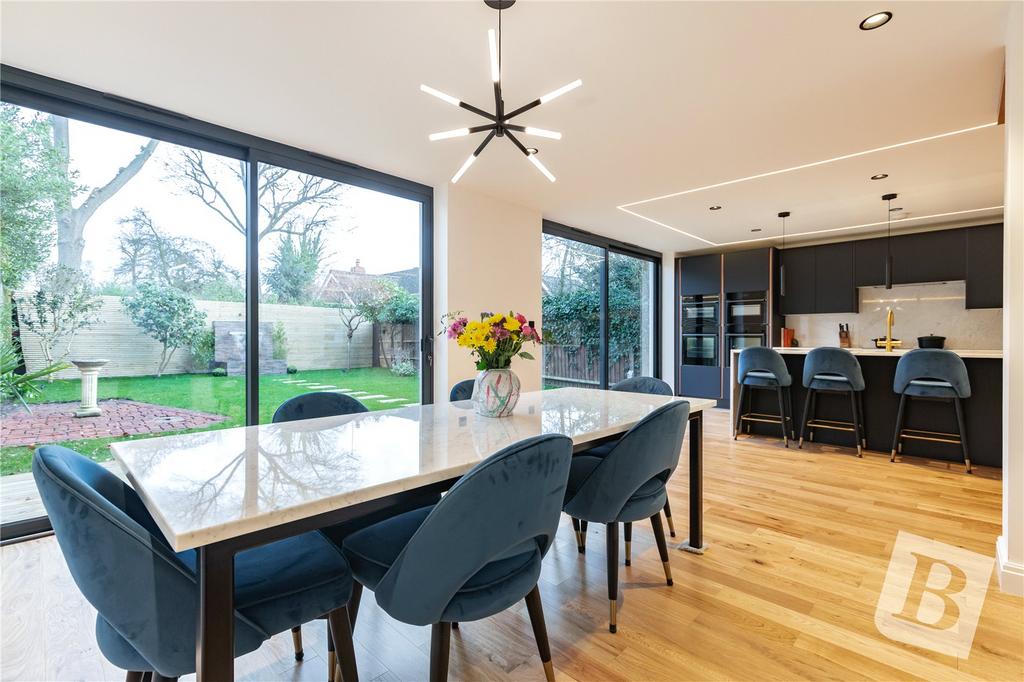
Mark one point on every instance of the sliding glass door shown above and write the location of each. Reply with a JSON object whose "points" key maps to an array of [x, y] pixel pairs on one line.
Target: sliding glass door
{"points": [[600, 304], [162, 275], [632, 312], [340, 291]]}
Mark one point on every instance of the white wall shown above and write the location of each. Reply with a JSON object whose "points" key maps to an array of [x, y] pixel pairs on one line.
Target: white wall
{"points": [[487, 258], [1010, 546], [668, 318]]}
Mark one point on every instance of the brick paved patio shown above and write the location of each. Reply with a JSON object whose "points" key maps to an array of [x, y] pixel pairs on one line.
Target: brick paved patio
{"points": [[54, 422]]}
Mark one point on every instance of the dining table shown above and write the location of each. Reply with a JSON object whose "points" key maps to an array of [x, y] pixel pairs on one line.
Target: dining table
{"points": [[223, 491]]}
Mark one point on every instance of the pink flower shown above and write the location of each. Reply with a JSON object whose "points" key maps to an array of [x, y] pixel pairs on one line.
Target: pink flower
{"points": [[499, 332], [527, 332], [521, 319], [456, 327]]}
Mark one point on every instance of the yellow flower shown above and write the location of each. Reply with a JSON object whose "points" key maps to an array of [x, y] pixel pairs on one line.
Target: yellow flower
{"points": [[490, 345], [494, 319], [512, 324]]}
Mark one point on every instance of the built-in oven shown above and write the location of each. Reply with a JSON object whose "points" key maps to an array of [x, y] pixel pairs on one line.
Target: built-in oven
{"points": [[700, 314], [700, 349], [746, 309], [741, 340]]}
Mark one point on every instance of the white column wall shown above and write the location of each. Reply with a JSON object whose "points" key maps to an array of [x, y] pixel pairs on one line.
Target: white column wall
{"points": [[668, 319], [487, 258], [1010, 546]]}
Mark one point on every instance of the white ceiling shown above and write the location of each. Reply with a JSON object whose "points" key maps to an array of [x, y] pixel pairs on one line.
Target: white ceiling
{"points": [[675, 96]]}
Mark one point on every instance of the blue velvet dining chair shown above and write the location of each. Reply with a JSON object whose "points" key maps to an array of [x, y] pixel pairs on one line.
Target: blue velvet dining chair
{"points": [[315, 405], [650, 386], [628, 484], [462, 390], [146, 595], [476, 552]]}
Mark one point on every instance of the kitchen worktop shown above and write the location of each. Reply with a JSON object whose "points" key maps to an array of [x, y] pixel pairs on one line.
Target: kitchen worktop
{"points": [[996, 354]]}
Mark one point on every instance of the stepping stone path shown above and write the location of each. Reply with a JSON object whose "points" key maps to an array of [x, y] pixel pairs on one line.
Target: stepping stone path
{"points": [[375, 396], [392, 400], [319, 386]]}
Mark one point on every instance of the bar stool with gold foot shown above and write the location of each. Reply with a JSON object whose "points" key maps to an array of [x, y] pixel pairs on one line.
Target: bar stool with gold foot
{"points": [[763, 368], [833, 370], [931, 374]]}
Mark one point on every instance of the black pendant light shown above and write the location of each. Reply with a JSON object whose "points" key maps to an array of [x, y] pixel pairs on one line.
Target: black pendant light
{"points": [[888, 239], [782, 267], [500, 122]]}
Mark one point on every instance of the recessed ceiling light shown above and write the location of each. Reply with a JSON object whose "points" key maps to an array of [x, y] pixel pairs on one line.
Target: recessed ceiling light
{"points": [[880, 176], [532, 150], [755, 229], [875, 21], [714, 208]]}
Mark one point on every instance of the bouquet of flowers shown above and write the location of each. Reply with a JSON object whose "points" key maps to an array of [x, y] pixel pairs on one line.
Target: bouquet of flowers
{"points": [[494, 339]]}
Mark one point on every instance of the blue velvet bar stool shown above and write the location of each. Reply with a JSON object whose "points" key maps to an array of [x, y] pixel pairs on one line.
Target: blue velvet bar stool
{"points": [[761, 368], [833, 370], [628, 484], [315, 405], [462, 390], [146, 595], [931, 374], [476, 552]]}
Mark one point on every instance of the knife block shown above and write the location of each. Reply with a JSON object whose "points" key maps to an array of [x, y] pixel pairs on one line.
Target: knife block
{"points": [[844, 339]]}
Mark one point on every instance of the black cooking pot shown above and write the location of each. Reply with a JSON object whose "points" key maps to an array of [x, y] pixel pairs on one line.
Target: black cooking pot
{"points": [[931, 341]]}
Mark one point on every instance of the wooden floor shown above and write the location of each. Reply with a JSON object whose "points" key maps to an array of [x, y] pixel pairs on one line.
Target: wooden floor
{"points": [[800, 541]]}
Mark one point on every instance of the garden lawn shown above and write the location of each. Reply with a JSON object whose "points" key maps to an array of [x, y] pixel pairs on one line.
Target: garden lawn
{"points": [[216, 395]]}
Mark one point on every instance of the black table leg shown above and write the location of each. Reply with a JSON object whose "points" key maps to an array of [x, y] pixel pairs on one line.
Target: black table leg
{"points": [[695, 543], [215, 629]]}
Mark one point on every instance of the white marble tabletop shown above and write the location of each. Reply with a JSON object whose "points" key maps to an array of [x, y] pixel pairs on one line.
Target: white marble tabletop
{"points": [[213, 485]]}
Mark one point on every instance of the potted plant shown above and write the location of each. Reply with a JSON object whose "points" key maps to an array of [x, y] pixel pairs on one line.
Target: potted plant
{"points": [[494, 340]]}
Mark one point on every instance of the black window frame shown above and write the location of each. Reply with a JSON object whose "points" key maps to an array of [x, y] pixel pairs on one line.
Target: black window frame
{"points": [[610, 246], [53, 96]]}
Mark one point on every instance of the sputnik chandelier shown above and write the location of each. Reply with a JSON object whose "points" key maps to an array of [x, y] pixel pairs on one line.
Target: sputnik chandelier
{"points": [[500, 125]]}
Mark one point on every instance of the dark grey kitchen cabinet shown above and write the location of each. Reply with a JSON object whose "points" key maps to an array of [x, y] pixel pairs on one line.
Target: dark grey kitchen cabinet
{"points": [[869, 262], [929, 257], [834, 290], [796, 281], [985, 266], [747, 270], [700, 275]]}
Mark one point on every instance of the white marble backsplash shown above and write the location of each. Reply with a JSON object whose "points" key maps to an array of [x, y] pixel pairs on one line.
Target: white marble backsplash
{"points": [[921, 309]]}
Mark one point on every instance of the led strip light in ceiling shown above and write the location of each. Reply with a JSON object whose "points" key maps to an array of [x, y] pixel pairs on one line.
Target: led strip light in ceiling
{"points": [[626, 207]]}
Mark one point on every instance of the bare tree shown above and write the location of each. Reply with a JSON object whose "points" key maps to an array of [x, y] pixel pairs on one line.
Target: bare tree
{"points": [[71, 220], [290, 202], [354, 298]]}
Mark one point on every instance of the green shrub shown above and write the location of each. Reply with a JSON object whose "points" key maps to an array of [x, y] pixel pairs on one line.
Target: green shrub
{"points": [[292, 369], [202, 350], [403, 368], [219, 372], [279, 340]]}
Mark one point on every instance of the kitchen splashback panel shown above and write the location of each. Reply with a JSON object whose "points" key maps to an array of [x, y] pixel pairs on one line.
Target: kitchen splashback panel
{"points": [[921, 309]]}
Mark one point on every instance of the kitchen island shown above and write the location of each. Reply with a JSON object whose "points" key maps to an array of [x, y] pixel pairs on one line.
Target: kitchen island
{"points": [[982, 411]]}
